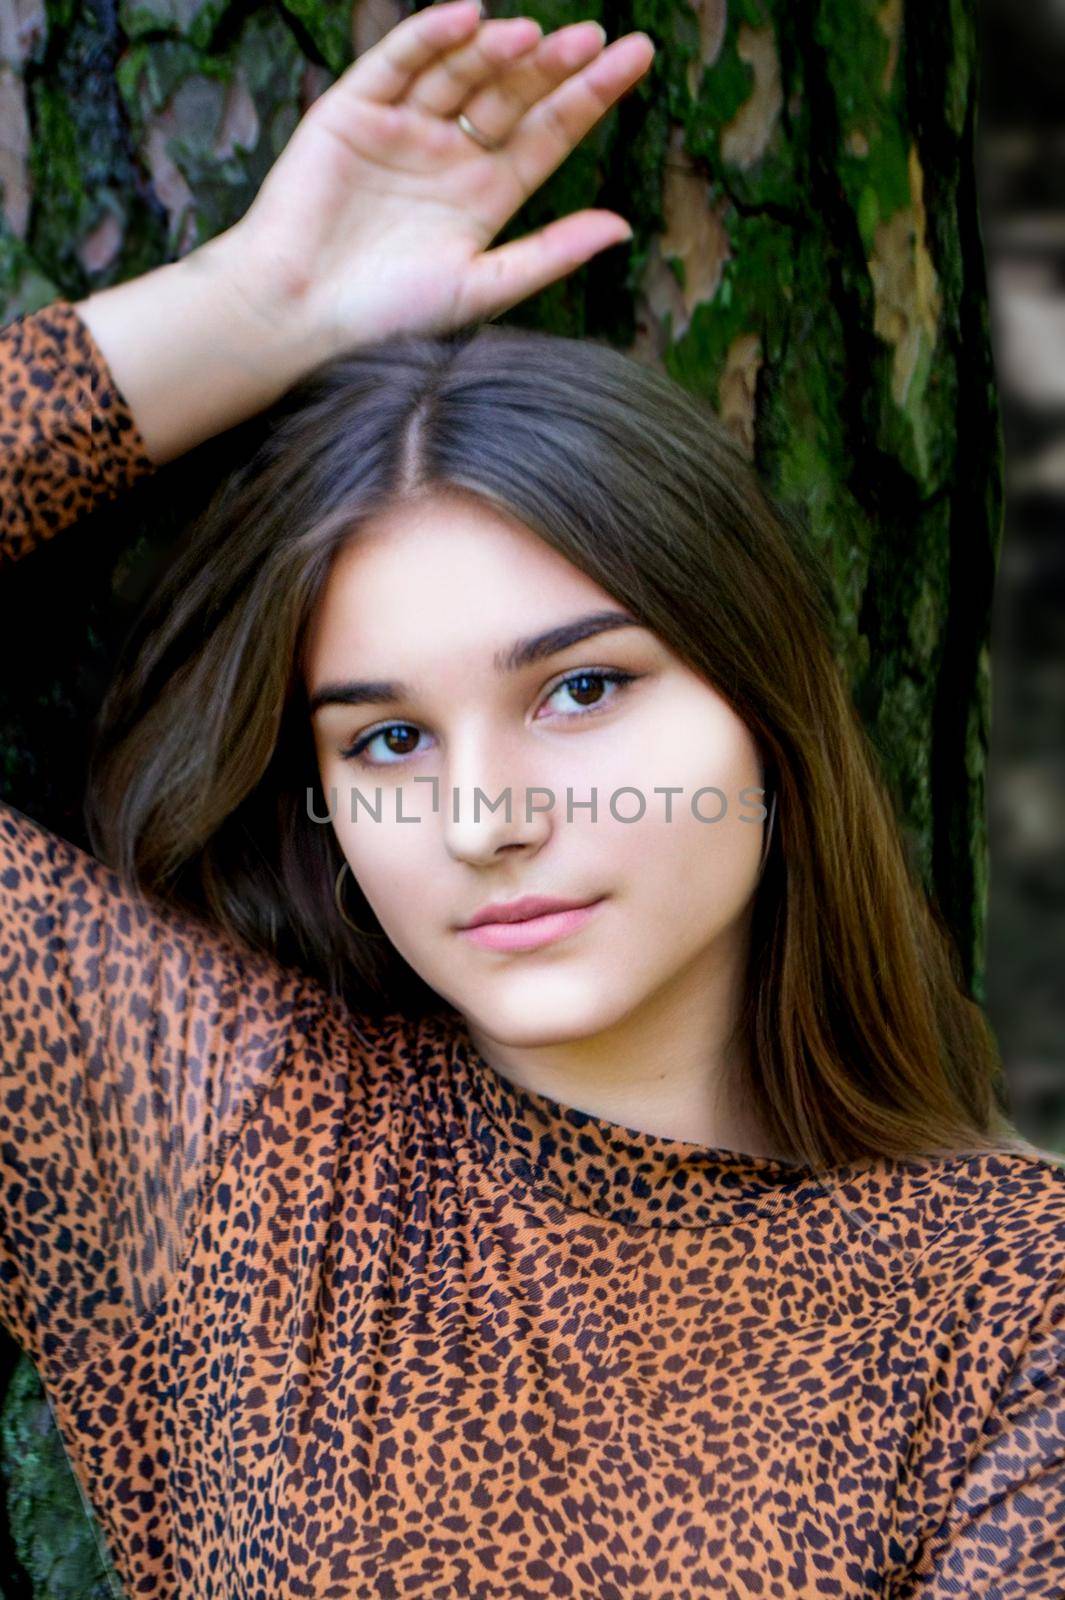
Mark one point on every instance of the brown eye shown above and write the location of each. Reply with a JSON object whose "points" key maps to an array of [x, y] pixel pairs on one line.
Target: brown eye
{"points": [[586, 688], [403, 734], [582, 688]]}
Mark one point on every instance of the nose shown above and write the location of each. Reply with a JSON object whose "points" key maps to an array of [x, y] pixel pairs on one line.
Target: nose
{"points": [[491, 805]]}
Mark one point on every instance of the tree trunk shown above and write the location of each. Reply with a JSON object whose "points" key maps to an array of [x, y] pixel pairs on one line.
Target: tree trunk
{"points": [[800, 177]]}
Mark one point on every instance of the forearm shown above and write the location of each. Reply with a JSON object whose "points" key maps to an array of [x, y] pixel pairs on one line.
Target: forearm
{"points": [[188, 351]]}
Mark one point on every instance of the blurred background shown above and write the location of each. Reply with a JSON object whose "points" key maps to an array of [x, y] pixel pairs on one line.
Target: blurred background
{"points": [[1021, 173]]}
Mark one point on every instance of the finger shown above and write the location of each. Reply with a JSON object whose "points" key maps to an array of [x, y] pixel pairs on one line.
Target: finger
{"points": [[384, 72], [554, 126], [500, 278], [498, 107], [447, 83]]}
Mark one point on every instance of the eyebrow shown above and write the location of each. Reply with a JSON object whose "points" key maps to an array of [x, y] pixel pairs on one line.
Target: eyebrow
{"points": [[522, 653]]}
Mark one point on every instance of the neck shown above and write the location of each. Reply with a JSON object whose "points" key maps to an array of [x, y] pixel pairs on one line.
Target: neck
{"points": [[671, 1067]]}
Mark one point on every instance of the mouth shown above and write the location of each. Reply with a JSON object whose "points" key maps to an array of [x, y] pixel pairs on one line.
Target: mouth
{"points": [[529, 933]]}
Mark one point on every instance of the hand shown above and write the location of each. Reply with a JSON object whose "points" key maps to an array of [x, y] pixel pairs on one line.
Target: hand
{"points": [[377, 215]]}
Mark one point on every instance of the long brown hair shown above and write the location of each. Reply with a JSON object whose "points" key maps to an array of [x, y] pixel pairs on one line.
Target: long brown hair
{"points": [[862, 1035]]}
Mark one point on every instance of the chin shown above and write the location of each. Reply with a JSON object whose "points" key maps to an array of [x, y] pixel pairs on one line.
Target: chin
{"points": [[546, 1015]]}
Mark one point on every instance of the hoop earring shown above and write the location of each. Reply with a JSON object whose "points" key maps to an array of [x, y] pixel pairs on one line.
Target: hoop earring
{"points": [[769, 830], [366, 933]]}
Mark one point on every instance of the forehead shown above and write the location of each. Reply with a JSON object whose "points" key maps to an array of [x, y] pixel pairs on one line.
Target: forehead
{"points": [[450, 571]]}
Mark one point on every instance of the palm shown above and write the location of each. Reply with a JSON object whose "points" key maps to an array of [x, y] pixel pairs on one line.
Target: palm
{"points": [[374, 212], [380, 209]]}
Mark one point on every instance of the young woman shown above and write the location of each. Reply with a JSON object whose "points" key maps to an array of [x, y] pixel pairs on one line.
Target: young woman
{"points": [[377, 1228]]}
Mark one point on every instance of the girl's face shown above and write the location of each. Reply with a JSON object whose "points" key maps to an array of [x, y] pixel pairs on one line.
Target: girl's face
{"points": [[416, 706]]}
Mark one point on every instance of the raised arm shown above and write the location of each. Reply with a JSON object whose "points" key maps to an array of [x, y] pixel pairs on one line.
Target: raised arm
{"points": [[67, 439], [191, 353], [134, 1040], [375, 219]]}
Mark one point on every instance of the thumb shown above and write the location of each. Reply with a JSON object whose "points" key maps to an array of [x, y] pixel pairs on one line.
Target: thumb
{"points": [[500, 278]]}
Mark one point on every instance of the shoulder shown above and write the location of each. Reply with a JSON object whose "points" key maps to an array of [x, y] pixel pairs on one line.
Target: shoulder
{"points": [[1015, 1189], [1013, 1196], [993, 1222]]}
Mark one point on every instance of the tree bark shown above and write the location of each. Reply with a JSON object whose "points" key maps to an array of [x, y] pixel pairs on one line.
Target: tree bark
{"points": [[800, 176]]}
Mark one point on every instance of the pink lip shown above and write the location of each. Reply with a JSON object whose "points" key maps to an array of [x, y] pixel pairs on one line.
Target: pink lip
{"points": [[531, 932]]}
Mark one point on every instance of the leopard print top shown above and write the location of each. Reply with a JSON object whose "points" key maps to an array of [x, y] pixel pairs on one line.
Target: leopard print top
{"points": [[330, 1308]]}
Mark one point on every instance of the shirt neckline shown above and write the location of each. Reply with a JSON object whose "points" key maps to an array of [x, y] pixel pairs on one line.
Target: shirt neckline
{"points": [[593, 1165]]}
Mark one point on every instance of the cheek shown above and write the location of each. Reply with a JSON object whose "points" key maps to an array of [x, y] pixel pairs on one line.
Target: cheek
{"points": [[384, 856], [692, 743], [400, 866], [691, 874], [686, 863]]}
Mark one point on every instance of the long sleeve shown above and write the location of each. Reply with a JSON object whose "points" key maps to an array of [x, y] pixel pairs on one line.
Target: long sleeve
{"points": [[133, 1039], [67, 438], [1004, 1535]]}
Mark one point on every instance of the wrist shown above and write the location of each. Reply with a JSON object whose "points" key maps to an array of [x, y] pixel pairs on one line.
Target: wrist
{"points": [[261, 317], [192, 351]]}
